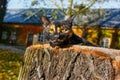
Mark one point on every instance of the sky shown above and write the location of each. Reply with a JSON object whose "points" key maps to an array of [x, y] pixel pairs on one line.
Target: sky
{"points": [[18, 4]]}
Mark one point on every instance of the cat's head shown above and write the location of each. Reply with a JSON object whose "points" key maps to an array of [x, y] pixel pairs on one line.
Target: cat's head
{"points": [[58, 31]]}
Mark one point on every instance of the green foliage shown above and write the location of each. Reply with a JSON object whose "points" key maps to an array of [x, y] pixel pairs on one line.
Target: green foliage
{"points": [[9, 65], [73, 6], [106, 33], [34, 2]]}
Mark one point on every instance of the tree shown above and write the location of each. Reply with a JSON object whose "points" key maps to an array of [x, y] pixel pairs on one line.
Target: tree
{"points": [[2, 9], [71, 63], [2, 13], [73, 7], [79, 8]]}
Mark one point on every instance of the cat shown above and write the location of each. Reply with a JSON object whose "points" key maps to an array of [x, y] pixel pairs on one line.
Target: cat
{"points": [[60, 33]]}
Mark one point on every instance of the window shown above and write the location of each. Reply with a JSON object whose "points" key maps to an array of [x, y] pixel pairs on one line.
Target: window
{"points": [[13, 36], [4, 35], [41, 36], [105, 42], [30, 37]]}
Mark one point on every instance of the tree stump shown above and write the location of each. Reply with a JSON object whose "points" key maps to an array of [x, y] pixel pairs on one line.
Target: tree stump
{"points": [[41, 62]]}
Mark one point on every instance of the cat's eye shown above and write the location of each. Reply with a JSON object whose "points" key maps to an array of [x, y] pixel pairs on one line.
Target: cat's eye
{"points": [[63, 30], [51, 30]]}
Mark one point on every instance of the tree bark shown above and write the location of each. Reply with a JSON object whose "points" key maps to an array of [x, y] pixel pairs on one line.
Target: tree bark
{"points": [[2, 10], [115, 39], [41, 62]]}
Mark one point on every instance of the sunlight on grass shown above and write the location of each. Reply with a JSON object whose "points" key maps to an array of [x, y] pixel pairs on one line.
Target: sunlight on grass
{"points": [[9, 65]]}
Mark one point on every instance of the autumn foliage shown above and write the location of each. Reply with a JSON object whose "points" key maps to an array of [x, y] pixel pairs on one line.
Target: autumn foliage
{"points": [[9, 65]]}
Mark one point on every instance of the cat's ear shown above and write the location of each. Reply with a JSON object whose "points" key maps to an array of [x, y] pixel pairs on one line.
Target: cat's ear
{"points": [[71, 19], [45, 21]]}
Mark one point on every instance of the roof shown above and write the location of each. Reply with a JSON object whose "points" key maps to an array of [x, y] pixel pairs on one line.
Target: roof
{"points": [[32, 16], [110, 20]]}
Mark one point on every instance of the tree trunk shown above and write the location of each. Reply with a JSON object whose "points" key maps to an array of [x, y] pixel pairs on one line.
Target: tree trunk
{"points": [[84, 33], [99, 34], [115, 39], [41, 62], [2, 9]]}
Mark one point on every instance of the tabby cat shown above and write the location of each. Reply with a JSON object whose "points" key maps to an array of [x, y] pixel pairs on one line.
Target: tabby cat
{"points": [[59, 33]]}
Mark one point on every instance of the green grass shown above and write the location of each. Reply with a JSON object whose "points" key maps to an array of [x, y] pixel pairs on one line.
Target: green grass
{"points": [[2, 44], [10, 63]]}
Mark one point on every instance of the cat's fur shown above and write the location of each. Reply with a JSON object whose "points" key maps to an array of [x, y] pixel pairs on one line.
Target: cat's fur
{"points": [[59, 33]]}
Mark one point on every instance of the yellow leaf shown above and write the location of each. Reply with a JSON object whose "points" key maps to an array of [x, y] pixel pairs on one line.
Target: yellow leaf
{"points": [[0, 75]]}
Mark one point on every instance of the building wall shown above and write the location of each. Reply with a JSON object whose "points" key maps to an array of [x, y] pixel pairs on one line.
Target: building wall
{"points": [[23, 30], [26, 30], [93, 35], [97, 35]]}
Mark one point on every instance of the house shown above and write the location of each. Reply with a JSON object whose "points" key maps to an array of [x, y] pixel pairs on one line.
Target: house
{"points": [[109, 28], [28, 27], [104, 30]]}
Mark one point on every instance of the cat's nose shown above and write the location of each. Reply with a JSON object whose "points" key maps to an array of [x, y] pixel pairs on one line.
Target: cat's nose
{"points": [[56, 36]]}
